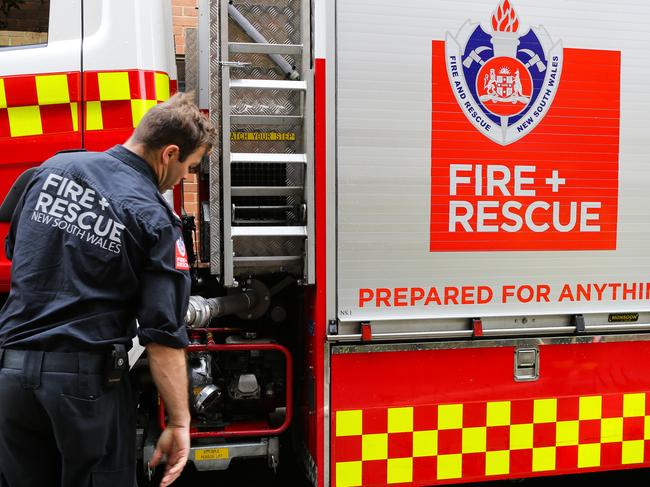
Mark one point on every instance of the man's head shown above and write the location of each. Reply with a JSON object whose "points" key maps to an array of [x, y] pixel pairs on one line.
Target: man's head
{"points": [[172, 137]]}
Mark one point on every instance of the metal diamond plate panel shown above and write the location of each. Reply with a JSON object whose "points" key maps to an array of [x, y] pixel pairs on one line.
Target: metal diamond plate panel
{"points": [[215, 157], [191, 62], [279, 22]]}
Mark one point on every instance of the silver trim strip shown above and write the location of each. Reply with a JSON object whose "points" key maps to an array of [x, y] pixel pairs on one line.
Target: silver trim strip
{"points": [[514, 342], [416, 335]]}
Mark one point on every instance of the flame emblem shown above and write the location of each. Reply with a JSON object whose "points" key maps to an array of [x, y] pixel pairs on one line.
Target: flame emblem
{"points": [[505, 18]]}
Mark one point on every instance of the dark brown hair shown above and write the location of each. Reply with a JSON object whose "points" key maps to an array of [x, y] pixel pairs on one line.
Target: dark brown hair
{"points": [[177, 121]]}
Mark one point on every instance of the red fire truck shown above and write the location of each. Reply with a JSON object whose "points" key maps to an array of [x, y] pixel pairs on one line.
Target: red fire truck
{"points": [[421, 251]]}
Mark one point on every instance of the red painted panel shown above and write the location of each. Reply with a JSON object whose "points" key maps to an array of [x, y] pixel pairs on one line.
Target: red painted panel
{"points": [[556, 414], [315, 302], [562, 144]]}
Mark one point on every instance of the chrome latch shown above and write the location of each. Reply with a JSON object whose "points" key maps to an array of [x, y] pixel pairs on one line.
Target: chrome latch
{"points": [[526, 364]]}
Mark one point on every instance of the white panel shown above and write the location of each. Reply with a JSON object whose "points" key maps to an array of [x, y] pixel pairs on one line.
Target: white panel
{"points": [[384, 100], [127, 34], [62, 52]]}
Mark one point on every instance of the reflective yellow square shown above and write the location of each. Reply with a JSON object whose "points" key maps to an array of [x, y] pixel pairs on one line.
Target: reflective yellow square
{"points": [[139, 108], [611, 430], [474, 440], [545, 411], [633, 405], [425, 443], [567, 433], [25, 121], [374, 447], [591, 407], [589, 455], [450, 416], [52, 89], [94, 120], [400, 420], [114, 86], [521, 436], [3, 96], [162, 86], [400, 470], [632, 452], [348, 474], [498, 413], [450, 466], [349, 423], [497, 462], [543, 459], [74, 113], [646, 428]]}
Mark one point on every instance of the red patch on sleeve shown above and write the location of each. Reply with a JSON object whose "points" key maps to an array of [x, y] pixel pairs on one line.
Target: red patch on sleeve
{"points": [[181, 256]]}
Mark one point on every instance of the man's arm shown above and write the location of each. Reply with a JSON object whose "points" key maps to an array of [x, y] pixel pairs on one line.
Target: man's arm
{"points": [[164, 295], [169, 369]]}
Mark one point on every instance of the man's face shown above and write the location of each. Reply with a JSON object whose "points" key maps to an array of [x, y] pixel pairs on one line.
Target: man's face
{"points": [[175, 170]]}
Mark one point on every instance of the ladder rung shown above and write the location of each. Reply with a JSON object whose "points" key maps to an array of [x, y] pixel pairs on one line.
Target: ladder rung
{"points": [[268, 231], [268, 84], [243, 222], [263, 261], [254, 157], [264, 208], [266, 190], [261, 48], [265, 119]]}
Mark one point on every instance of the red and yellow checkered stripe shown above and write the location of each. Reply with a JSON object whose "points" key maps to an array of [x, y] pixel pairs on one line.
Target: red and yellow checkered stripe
{"points": [[481, 441], [120, 99], [39, 104], [44, 104]]}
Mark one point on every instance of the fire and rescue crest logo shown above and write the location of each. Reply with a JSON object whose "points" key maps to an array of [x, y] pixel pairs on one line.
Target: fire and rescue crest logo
{"points": [[504, 76]]}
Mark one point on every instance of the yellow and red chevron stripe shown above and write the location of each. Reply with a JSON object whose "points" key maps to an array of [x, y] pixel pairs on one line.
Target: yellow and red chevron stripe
{"points": [[447, 443], [42, 104]]}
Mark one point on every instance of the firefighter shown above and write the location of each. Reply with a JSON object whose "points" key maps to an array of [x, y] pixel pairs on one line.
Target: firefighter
{"points": [[95, 247]]}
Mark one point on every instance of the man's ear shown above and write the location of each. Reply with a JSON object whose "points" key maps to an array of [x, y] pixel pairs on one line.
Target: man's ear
{"points": [[169, 152]]}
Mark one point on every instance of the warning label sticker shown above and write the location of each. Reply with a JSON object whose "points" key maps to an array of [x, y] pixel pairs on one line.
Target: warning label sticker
{"points": [[211, 454]]}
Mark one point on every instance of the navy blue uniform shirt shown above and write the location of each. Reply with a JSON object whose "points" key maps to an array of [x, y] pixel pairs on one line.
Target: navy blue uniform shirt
{"points": [[94, 245]]}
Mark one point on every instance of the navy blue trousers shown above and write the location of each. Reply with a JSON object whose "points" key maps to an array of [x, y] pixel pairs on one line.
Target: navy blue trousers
{"points": [[64, 429]]}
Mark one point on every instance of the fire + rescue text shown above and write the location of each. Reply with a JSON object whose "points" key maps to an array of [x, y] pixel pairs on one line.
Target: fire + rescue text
{"points": [[512, 215], [78, 211]]}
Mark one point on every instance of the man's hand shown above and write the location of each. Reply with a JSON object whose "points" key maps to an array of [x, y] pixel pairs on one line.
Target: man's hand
{"points": [[169, 370], [175, 444]]}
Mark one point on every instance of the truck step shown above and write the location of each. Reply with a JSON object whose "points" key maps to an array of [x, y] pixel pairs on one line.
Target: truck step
{"points": [[266, 119], [261, 158], [265, 261], [268, 84], [262, 48], [267, 190], [269, 231]]}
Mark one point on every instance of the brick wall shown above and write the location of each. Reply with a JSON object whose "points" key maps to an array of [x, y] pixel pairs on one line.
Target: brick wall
{"points": [[10, 38], [185, 14], [26, 24]]}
